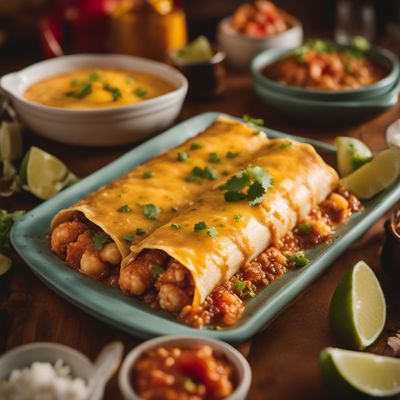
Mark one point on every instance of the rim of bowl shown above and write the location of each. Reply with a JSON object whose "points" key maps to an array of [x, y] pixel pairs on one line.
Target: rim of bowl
{"points": [[257, 66], [218, 56], [230, 352], [182, 88], [226, 28]]}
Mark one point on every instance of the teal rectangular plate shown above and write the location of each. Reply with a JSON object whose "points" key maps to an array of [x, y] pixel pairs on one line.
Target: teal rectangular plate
{"points": [[29, 238]]}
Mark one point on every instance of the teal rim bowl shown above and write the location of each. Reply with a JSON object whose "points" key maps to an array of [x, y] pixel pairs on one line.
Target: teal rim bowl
{"points": [[383, 57]]}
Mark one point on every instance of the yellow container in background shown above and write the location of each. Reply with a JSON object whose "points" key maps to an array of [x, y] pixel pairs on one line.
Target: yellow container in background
{"points": [[148, 28]]}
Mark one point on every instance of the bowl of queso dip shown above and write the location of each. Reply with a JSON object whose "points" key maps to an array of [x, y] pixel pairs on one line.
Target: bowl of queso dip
{"points": [[96, 100]]}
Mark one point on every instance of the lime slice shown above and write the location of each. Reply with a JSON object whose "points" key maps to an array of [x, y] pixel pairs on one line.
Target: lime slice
{"points": [[375, 176], [10, 141], [43, 174], [358, 310], [197, 51], [351, 154], [5, 264], [353, 374]]}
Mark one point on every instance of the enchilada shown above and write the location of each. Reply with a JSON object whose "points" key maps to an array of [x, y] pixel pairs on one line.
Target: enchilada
{"points": [[192, 265], [93, 235]]}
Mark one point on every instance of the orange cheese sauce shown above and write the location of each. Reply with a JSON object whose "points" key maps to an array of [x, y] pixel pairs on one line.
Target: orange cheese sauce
{"points": [[97, 88]]}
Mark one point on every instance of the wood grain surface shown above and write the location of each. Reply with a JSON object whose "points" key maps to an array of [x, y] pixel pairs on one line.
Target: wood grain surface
{"points": [[284, 356]]}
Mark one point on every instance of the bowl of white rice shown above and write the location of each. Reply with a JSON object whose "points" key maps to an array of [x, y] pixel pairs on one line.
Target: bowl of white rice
{"points": [[47, 371]]}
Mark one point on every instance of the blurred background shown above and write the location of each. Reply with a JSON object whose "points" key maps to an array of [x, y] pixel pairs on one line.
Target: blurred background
{"points": [[34, 29]]}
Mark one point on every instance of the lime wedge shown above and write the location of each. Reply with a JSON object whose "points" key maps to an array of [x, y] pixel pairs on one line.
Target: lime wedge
{"points": [[197, 51], [356, 375], [375, 176], [43, 174], [10, 141], [5, 264], [358, 310], [351, 154]]}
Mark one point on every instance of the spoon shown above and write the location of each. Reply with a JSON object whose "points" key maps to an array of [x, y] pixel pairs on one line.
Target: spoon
{"points": [[393, 134], [107, 362]]}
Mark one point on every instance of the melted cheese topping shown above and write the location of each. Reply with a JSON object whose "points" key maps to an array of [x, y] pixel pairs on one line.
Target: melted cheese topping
{"points": [[301, 181], [168, 188], [99, 88]]}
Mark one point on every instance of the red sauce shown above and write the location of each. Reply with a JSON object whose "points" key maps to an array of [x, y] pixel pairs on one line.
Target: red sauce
{"points": [[189, 373]]}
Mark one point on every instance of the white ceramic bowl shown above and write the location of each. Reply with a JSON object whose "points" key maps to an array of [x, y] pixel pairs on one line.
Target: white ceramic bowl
{"points": [[96, 374], [100, 127], [240, 49], [239, 362]]}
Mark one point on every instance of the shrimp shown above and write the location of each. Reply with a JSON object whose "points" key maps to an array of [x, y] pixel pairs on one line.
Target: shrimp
{"points": [[110, 254], [172, 298], [65, 233], [92, 265]]}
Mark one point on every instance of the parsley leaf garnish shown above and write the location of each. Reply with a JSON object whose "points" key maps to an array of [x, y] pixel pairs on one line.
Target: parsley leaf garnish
{"points": [[140, 92], [129, 237], [124, 209], [85, 90], [200, 226], [151, 211], [211, 231], [183, 156], [253, 121], [116, 92], [99, 239], [147, 174], [140, 231], [232, 154], [198, 174], [242, 288], [214, 157], [195, 146], [304, 228], [234, 196], [176, 226], [299, 259]]}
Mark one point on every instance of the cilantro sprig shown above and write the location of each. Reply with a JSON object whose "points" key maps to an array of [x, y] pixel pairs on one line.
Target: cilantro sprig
{"points": [[249, 184]]}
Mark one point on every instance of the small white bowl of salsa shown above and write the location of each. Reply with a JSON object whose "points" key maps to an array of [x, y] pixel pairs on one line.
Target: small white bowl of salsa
{"points": [[96, 100]]}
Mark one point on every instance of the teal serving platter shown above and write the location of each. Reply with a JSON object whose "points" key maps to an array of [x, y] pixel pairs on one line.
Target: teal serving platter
{"points": [[29, 238]]}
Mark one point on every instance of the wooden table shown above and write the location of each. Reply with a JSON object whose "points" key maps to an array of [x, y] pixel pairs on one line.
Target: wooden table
{"points": [[284, 356]]}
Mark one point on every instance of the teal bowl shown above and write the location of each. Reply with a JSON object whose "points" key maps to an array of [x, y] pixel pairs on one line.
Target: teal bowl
{"points": [[385, 58], [335, 112]]}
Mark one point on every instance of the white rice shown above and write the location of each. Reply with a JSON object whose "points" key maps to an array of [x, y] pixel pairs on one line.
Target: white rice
{"points": [[44, 381]]}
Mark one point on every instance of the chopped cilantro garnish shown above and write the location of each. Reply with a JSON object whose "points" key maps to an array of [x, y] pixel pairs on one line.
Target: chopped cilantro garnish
{"points": [[284, 146], [151, 211], [256, 180], [214, 157], [140, 231], [176, 226], [237, 217], [129, 237], [253, 121], [198, 174], [75, 82], [140, 92], [212, 231], [99, 239], [304, 228], [232, 154], [84, 91], [94, 76], [299, 259], [147, 174], [124, 209], [243, 289], [116, 92], [183, 156], [200, 226], [6, 222], [157, 271], [195, 146]]}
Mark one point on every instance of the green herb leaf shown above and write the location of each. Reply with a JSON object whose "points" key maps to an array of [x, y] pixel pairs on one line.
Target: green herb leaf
{"points": [[99, 239], [255, 193], [239, 285], [200, 226], [124, 209], [214, 157], [129, 237], [140, 92], [210, 173], [147, 174], [237, 183], [198, 174], [6, 222], [232, 154], [151, 211], [234, 196], [237, 217], [176, 226], [212, 231], [85, 90], [116, 92], [284, 146], [94, 76], [299, 259], [157, 271], [304, 228], [195, 146], [183, 156], [253, 121], [140, 231]]}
